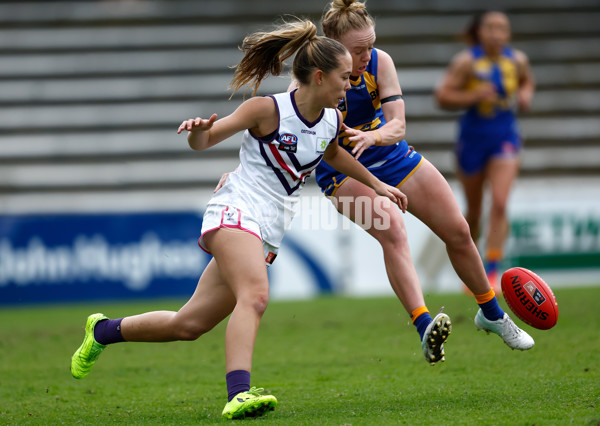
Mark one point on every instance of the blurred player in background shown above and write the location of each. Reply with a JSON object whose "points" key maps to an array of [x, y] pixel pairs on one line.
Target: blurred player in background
{"points": [[285, 137], [491, 81]]}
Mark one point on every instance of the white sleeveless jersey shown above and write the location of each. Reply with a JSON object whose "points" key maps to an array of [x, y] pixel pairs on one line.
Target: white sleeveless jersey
{"points": [[272, 171]]}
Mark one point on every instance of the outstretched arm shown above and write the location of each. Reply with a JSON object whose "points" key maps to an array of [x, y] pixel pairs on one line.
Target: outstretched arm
{"points": [[257, 114], [199, 132]]}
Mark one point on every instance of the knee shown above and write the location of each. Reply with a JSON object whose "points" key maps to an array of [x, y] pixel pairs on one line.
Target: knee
{"points": [[258, 301], [393, 236], [460, 235], [498, 207], [254, 298], [191, 330]]}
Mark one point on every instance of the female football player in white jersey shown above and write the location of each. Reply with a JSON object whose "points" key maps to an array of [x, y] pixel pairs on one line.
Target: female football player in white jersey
{"points": [[285, 137]]}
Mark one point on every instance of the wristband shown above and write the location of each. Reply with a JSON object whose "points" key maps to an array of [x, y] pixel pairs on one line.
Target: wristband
{"points": [[377, 137]]}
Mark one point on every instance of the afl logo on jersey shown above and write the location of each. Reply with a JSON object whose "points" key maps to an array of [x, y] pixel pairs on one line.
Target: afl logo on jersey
{"points": [[288, 142]]}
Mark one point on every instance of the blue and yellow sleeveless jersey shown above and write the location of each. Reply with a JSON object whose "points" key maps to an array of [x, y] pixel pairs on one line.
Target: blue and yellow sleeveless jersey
{"points": [[493, 117], [489, 129], [361, 109]]}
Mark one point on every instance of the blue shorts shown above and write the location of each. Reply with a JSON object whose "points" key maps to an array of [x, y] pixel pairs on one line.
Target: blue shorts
{"points": [[475, 150], [394, 169]]}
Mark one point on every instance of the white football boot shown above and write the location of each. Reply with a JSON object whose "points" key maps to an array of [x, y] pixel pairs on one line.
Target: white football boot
{"points": [[504, 327], [434, 337]]}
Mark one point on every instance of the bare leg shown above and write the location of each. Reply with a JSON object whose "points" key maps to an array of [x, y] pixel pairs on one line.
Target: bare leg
{"points": [[241, 262], [211, 302], [394, 242], [235, 282], [501, 174], [431, 200], [473, 189]]}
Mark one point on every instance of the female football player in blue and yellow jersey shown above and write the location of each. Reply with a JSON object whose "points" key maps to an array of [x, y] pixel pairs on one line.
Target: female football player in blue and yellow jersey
{"points": [[374, 130], [491, 81]]}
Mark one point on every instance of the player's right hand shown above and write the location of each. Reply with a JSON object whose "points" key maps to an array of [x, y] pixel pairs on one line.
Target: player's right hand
{"points": [[394, 194], [197, 124]]}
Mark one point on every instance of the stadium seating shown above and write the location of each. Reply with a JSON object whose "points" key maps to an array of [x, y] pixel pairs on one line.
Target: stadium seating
{"points": [[91, 93]]}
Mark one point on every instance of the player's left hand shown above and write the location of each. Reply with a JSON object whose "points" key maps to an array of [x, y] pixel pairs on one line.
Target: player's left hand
{"points": [[361, 140], [394, 194]]}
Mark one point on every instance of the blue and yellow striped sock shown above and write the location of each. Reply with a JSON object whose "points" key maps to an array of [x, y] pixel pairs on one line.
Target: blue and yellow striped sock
{"points": [[489, 305], [421, 319]]}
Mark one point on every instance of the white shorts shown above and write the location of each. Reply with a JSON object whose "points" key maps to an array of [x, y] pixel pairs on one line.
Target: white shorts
{"points": [[221, 216]]}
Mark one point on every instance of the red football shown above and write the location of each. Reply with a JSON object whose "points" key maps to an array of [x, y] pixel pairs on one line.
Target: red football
{"points": [[530, 298]]}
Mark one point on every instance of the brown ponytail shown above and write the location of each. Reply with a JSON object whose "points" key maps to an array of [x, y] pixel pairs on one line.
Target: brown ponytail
{"points": [[265, 53]]}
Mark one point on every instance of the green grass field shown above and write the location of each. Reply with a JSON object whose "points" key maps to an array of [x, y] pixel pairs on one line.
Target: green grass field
{"points": [[329, 361]]}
